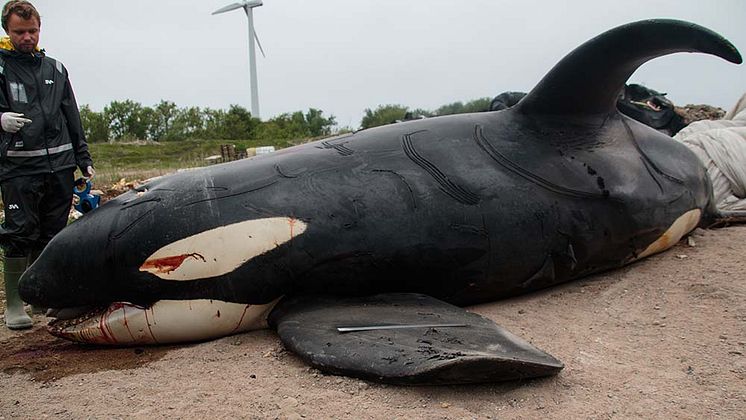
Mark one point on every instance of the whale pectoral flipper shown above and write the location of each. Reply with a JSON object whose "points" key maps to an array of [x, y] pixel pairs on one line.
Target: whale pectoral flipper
{"points": [[405, 339]]}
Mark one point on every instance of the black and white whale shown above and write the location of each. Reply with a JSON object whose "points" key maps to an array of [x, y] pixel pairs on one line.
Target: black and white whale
{"points": [[377, 230]]}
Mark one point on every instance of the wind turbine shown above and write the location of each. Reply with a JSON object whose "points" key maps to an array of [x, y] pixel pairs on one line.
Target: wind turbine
{"points": [[248, 7]]}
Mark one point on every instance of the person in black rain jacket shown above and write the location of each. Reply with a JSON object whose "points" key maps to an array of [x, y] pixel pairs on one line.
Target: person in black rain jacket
{"points": [[41, 144]]}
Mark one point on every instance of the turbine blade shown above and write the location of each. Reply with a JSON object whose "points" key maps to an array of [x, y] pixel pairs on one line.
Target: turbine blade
{"points": [[228, 8], [256, 37]]}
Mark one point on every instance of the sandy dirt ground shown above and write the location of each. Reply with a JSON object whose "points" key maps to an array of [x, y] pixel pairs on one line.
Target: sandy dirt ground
{"points": [[663, 338]]}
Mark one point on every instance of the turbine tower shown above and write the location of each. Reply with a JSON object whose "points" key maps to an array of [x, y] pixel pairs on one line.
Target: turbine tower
{"points": [[248, 7]]}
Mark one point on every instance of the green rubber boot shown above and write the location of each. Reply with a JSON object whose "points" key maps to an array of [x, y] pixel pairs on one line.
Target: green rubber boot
{"points": [[32, 256], [16, 317]]}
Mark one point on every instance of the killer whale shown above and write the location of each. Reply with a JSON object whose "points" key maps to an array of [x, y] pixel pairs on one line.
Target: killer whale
{"points": [[392, 226]]}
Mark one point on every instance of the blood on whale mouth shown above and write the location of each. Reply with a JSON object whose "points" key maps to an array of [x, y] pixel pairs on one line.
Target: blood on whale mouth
{"points": [[69, 317], [66, 318], [98, 324], [164, 321]]}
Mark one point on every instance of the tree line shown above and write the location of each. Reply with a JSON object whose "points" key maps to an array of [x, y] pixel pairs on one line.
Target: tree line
{"points": [[129, 120], [387, 114]]}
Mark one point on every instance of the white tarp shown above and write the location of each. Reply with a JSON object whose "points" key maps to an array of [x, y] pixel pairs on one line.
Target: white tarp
{"points": [[721, 146]]}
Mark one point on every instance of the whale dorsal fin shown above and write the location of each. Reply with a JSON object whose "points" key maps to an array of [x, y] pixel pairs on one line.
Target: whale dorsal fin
{"points": [[588, 80]]}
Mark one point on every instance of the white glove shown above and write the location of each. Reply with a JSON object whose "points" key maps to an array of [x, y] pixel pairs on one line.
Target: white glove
{"points": [[90, 172], [13, 121]]}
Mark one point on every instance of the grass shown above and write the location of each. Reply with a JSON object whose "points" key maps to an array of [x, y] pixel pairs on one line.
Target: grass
{"points": [[140, 160]]}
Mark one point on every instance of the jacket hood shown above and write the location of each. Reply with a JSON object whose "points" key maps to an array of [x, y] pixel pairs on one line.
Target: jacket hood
{"points": [[6, 45]]}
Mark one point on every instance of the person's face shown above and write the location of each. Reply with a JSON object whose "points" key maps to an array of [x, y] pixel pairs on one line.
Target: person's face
{"points": [[23, 33]]}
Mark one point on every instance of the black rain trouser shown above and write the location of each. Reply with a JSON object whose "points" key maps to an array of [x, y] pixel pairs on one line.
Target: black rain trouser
{"points": [[36, 208]]}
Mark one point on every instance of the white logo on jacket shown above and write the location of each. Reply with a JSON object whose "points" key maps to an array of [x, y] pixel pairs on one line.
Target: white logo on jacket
{"points": [[48, 82]]}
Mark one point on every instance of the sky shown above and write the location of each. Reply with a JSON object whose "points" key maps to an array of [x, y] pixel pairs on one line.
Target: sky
{"points": [[343, 56]]}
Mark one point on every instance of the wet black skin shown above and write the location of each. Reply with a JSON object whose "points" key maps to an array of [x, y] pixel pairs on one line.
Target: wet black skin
{"points": [[465, 208]]}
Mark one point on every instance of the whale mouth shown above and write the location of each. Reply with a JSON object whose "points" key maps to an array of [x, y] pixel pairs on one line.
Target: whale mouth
{"points": [[70, 313], [165, 321], [80, 323]]}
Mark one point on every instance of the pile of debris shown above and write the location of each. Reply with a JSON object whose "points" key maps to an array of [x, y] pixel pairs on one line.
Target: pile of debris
{"points": [[691, 113], [643, 104], [122, 186], [721, 146]]}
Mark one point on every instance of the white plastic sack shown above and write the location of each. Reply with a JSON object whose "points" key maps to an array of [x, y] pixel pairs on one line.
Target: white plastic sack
{"points": [[721, 146]]}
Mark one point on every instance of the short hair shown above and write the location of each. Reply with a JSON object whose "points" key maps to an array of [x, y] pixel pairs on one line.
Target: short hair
{"points": [[21, 8]]}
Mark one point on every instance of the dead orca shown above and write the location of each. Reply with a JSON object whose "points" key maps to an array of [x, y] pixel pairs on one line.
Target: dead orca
{"points": [[363, 238]]}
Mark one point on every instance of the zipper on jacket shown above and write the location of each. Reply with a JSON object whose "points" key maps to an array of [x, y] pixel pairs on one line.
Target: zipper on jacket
{"points": [[37, 79]]}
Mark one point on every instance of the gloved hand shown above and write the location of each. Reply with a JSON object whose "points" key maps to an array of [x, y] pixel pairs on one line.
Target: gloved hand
{"points": [[90, 172], [13, 121]]}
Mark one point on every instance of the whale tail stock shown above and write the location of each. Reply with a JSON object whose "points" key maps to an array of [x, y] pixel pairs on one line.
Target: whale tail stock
{"points": [[724, 218], [588, 80]]}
